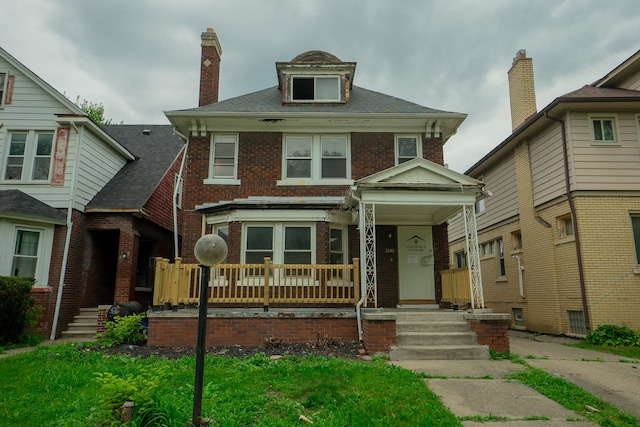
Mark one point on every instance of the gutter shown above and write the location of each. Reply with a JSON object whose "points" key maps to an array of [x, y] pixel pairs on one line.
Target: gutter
{"points": [[67, 242], [576, 233], [175, 193]]}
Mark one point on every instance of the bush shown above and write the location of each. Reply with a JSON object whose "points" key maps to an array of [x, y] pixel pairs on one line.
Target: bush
{"points": [[16, 308], [125, 330], [614, 336]]}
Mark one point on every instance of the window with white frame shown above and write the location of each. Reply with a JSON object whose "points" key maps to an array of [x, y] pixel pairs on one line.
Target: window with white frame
{"points": [[283, 243], [336, 245], [565, 226], [635, 226], [224, 159], [316, 157], [603, 130], [29, 156], [502, 271], [460, 259], [3, 87], [25, 254], [407, 147], [315, 88]]}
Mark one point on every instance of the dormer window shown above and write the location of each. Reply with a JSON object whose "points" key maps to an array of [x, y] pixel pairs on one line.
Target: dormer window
{"points": [[318, 89]]}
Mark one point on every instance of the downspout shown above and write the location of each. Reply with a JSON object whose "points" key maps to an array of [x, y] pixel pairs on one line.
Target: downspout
{"points": [[363, 291], [520, 270], [175, 193], [576, 233], [67, 241]]}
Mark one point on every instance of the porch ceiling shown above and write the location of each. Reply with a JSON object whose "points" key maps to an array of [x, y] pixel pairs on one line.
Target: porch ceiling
{"points": [[391, 214]]}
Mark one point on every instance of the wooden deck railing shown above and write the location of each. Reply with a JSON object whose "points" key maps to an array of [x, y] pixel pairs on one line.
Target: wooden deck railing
{"points": [[323, 284], [455, 286]]}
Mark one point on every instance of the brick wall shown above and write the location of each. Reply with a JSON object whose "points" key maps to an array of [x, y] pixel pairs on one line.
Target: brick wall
{"points": [[378, 335], [493, 333], [249, 331], [160, 204]]}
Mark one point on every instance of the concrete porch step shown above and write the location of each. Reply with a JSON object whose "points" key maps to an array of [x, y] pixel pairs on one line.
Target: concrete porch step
{"points": [[437, 326], [430, 316], [435, 338], [86, 335], [439, 352], [91, 326]]}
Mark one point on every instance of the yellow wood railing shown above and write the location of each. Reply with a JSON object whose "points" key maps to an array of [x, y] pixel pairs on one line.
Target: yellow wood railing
{"points": [[326, 284], [455, 286]]}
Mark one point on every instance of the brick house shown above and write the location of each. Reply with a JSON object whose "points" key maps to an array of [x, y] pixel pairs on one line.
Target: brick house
{"points": [[316, 170], [83, 207], [559, 240]]}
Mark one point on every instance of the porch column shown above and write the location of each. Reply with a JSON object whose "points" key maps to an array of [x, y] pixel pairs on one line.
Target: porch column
{"points": [[368, 253], [473, 258]]}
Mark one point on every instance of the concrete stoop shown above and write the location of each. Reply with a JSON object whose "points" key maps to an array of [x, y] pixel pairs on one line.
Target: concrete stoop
{"points": [[437, 335], [85, 324]]}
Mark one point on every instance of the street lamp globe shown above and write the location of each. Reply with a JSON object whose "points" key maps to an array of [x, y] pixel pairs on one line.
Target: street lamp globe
{"points": [[210, 250]]}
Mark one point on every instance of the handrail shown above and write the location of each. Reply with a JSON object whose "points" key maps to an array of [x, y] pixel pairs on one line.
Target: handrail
{"points": [[324, 284]]}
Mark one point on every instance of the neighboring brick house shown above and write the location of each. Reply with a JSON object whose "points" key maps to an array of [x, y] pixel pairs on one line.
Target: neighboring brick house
{"points": [[559, 239], [83, 208], [316, 170]]}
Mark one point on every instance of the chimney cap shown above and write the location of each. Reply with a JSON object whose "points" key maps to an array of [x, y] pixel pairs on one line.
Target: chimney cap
{"points": [[520, 54]]}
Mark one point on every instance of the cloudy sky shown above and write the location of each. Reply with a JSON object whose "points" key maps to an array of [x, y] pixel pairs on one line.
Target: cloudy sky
{"points": [[141, 57]]}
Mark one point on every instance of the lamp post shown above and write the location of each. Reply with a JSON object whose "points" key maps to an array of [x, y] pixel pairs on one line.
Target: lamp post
{"points": [[209, 250]]}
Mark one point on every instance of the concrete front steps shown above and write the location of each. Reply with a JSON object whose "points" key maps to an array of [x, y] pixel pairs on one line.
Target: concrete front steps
{"points": [[435, 335], [85, 325]]}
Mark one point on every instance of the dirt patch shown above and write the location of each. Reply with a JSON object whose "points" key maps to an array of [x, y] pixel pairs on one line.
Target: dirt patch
{"points": [[349, 350]]}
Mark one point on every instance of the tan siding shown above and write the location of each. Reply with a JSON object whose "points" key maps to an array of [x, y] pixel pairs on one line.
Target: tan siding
{"points": [[633, 83], [456, 229], [501, 181], [608, 167], [547, 168]]}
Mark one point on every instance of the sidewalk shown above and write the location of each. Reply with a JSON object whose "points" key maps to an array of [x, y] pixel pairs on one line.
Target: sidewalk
{"points": [[477, 387], [20, 350]]}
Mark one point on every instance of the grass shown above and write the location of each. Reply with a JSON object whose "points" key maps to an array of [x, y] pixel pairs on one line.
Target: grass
{"points": [[625, 351], [62, 383]]}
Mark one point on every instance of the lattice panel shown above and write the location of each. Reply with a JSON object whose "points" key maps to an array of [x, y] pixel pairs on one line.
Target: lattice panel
{"points": [[473, 258], [370, 254]]}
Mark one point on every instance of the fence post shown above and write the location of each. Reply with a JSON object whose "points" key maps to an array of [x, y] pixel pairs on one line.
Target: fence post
{"points": [[175, 281], [158, 281], [454, 288], [356, 280], [267, 275]]}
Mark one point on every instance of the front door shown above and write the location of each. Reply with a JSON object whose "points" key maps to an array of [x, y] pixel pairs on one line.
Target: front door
{"points": [[416, 265]]}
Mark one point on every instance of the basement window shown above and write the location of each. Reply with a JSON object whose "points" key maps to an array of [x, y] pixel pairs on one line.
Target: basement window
{"points": [[316, 88], [577, 324]]}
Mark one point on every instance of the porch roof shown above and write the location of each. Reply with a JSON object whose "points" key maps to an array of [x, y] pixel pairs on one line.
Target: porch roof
{"points": [[267, 202], [16, 204]]}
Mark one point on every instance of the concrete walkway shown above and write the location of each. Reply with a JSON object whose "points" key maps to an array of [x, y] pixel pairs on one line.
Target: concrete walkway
{"points": [[477, 387], [46, 343]]}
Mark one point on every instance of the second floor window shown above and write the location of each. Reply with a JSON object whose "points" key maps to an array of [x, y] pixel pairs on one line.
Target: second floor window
{"points": [[318, 89], [603, 129], [224, 159], [3, 87], [316, 157], [407, 148], [29, 156]]}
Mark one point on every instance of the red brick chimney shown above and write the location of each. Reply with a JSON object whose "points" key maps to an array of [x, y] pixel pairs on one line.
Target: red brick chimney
{"points": [[522, 92], [209, 68]]}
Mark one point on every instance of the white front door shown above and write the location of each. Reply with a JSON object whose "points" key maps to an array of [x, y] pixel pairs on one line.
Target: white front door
{"points": [[416, 265]]}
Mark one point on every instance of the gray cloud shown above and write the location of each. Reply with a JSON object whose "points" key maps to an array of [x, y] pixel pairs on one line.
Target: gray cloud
{"points": [[140, 58]]}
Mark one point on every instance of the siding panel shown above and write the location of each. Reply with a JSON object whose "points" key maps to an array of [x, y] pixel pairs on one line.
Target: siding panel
{"points": [[547, 169]]}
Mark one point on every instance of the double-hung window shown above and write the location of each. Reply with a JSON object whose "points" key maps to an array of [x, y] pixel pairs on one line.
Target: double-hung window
{"points": [[407, 147], [500, 255], [224, 160], [25, 254], [283, 243], [603, 130], [635, 226], [316, 88], [320, 158], [29, 156]]}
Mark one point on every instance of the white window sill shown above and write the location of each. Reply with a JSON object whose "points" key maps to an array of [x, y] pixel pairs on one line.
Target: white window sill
{"points": [[222, 181], [305, 181], [636, 270], [502, 279], [605, 143]]}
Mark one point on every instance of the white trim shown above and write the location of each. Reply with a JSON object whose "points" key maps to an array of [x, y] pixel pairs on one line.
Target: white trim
{"points": [[396, 151], [29, 156], [280, 215], [604, 116], [45, 244], [3, 87], [315, 173], [223, 138], [221, 181], [278, 239]]}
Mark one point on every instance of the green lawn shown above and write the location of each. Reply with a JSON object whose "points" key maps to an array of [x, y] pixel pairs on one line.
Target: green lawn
{"points": [[62, 386], [625, 351]]}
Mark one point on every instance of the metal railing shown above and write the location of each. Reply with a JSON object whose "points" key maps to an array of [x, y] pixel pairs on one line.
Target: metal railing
{"points": [[455, 286], [320, 284]]}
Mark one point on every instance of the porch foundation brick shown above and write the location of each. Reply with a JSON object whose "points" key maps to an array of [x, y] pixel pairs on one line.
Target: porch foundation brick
{"points": [[249, 328], [102, 318], [378, 335], [491, 329]]}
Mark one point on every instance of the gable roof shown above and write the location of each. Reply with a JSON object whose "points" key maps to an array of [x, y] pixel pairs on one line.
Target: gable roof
{"points": [[16, 203], [77, 115], [134, 184], [600, 93]]}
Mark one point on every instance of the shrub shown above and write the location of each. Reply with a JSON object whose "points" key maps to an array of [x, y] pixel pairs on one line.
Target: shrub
{"points": [[125, 330], [614, 336], [16, 308]]}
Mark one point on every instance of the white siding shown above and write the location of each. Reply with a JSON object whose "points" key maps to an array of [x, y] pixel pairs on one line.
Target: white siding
{"points": [[547, 167], [632, 83], [99, 163], [501, 181], [606, 167]]}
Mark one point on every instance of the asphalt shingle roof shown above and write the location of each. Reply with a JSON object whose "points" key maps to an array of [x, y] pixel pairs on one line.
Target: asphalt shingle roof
{"points": [[17, 202], [138, 179], [270, 101]]}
